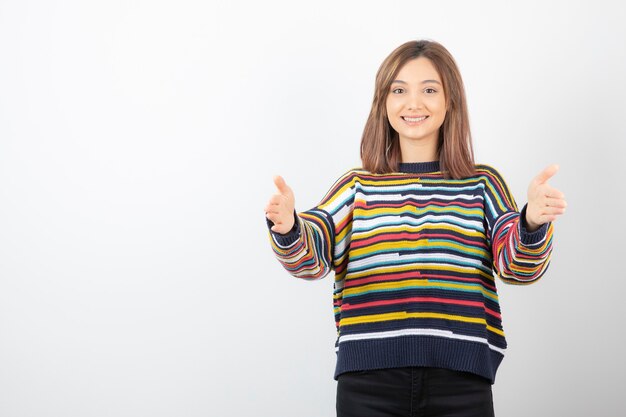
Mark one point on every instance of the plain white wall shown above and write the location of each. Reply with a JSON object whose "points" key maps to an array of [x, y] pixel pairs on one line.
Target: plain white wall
{"points": [[137, 146]]}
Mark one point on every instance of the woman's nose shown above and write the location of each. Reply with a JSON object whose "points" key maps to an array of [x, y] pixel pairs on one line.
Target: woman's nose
{"points": [[414, 102]]}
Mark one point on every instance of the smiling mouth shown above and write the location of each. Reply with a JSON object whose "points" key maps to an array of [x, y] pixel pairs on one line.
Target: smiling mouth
{"points": [[414, 119]]}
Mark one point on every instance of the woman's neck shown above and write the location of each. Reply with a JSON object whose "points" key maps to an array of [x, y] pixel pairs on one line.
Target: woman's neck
{"points": [[418, 151]]}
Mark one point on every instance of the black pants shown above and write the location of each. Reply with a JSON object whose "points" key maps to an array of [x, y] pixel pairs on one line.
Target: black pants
{"points": [[413, 392]]}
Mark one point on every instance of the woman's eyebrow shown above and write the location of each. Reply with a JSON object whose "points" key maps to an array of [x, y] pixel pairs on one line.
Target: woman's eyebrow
{"points": [[423, 82]]}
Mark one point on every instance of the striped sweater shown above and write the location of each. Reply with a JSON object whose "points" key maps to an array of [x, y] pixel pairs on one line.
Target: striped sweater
{"points": [[414, 257]]}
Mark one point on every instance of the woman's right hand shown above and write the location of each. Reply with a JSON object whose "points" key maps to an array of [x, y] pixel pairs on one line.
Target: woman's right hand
{"points": [[281, 207]]}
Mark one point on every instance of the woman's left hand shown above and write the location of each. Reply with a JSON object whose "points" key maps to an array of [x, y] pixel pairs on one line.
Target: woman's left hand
{"points": [[545, 203]]}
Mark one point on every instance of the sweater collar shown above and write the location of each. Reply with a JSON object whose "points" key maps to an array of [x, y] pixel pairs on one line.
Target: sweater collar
{"points": [[418, 167]]}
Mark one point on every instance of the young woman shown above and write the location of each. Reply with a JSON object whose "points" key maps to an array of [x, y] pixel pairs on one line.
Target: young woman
{"points": [[415, 237]]}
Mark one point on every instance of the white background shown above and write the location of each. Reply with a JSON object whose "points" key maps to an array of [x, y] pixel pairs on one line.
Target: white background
{"points": [[138, 140]]}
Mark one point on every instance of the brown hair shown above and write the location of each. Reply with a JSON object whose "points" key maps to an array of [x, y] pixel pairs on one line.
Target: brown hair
{"points": [[380, 147]]}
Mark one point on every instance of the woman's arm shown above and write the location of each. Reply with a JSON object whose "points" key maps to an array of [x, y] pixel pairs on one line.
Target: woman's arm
{"points": [[311, 243], [521, 249]]}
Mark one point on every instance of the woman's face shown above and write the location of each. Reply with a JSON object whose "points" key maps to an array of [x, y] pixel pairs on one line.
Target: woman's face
{"points": [[416, 103]]}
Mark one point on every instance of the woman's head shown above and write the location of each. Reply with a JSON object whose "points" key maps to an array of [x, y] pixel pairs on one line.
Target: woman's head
{"points": [[380, 144]]}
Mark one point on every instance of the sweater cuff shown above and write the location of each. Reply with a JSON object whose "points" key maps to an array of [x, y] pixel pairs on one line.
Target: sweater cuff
{"points": [[530, 238], [288, 238]]}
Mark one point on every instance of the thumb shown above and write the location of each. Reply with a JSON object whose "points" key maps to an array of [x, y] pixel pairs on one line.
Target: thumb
{"points": [[282, 186], [547, 173]]}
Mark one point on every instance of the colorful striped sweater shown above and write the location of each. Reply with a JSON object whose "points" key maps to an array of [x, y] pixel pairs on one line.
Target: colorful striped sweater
{"points": [[414, 256]]}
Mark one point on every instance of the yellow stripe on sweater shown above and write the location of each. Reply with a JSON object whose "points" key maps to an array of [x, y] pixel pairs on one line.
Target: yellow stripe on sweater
{"points": [[409, 208], [399, 285], [403, 315]]}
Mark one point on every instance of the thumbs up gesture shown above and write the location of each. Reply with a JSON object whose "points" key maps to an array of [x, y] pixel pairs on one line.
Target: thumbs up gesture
{"points": [[281, 207], [545, 203]]}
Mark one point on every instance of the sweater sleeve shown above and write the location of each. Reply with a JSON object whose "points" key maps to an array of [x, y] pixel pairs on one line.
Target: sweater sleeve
{"points": [[519, 256], [320, 238]]}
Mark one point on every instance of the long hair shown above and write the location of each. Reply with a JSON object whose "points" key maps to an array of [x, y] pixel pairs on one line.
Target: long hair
{"points": [[380, 146]]}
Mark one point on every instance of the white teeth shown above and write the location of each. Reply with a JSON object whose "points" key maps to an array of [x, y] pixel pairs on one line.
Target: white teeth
{"points": [[414, 119]]}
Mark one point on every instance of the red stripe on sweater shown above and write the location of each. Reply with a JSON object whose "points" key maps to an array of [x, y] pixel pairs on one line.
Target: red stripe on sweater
{"points": [[348, 307]]}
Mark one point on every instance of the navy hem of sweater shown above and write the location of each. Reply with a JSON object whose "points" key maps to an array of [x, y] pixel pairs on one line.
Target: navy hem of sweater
{"points": [[289, 237], [530, 238], [426, 351]]}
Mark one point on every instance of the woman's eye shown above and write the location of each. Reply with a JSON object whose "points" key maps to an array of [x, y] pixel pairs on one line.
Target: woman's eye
{"points": [[430, 90], [397, 90]]}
